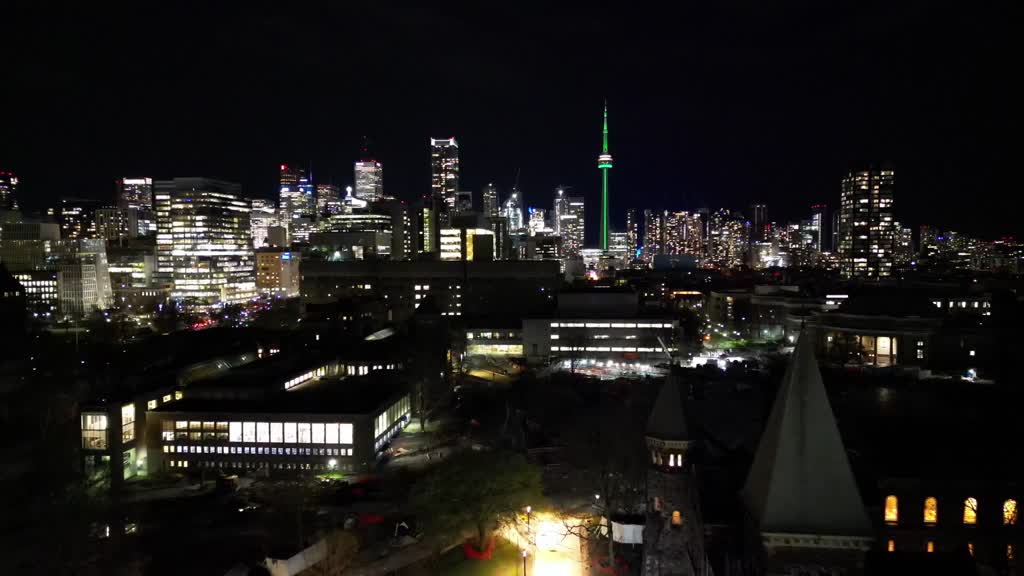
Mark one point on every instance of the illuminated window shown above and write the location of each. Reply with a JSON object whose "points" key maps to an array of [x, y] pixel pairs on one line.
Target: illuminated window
{"points": [[304, 432], [970, 548], [289, 432], [1009, 552], [235, 431], [248, 431], [892, 513], [931, 510], [677, 518], [930, 547], [318, 433], [262, 432], [94, 431], [1010, 512], [891, 546], [971, 511], [276, 432], [151, 405], [127, 422], [344, 433]]}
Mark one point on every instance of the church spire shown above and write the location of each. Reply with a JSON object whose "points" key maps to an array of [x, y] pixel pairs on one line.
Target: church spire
{"points": [[800, 481]]}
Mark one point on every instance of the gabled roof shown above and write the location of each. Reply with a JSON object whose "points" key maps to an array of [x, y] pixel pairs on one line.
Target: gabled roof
{"points": [[800, 481], [668, 420]]}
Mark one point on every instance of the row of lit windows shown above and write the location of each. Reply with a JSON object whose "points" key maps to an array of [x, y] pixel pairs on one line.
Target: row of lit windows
{"points": [[264, 432], [329, 465], [608, 325], [931, 511], [929, 547], [258, 450], [605, 349]]}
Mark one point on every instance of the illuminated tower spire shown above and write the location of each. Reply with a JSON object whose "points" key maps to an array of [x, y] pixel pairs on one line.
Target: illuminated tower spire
{"points": [[604, 163]]}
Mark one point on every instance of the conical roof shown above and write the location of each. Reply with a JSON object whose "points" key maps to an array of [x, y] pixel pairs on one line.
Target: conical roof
{"points": [[668, 420], [800, 481]]}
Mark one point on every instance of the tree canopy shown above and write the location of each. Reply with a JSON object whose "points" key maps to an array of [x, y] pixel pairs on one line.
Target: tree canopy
{"points": [[475, 489]]}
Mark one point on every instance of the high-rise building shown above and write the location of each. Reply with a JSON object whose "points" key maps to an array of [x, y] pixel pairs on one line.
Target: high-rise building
{"points": [[117, 224], [867, 233], [77, 218], [836, 224], [819, 224], [538, 224], [427, 232], [137, 194], [369, 180], [759, 222], [513, 211], [604, 163], [633, 233], [8, 191], [277, 272], [682, 233], [263, 216], [618, 245], [403, 233], [572, 224], [928, 243], [904, 250], [559, 208], [83, 278], [211, 255], [490, 206], [728, 239], [328, 199], [444, 171], [297, 200], [654, 235]]}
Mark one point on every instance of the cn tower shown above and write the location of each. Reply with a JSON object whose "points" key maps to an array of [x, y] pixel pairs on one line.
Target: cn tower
{"points": [[604, 163]]}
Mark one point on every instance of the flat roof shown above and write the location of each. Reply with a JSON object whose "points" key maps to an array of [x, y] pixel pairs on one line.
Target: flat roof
{"points": [[360, 395]]}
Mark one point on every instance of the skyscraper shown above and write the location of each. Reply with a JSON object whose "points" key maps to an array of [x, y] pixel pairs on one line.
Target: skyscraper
{"points": [[490, 205], [137, 194], [211, 256], [654, 235], [559, 208], [759, 222], [296, 191], [682, 233], [728, 239], [77, 218], [369, 180], [8, 191], [632, 233], [328, 199], [572, 225], [263, 215], [513, 211], [604, 163], [819, 225], [867, 233], [444, 175]]}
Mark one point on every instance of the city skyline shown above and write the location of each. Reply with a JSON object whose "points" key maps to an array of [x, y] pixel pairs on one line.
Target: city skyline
{"points": [[694, 136]]}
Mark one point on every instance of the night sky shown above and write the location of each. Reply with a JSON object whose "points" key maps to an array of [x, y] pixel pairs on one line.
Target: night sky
{"points": [[711, 103]]}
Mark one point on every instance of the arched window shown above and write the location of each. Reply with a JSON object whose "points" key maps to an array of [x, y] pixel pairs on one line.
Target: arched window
{"points": [[1010, 512], [930, 547], [931, 510], [892, 512], [677, 518], [971, 511], [671, 459], [892, 546]]}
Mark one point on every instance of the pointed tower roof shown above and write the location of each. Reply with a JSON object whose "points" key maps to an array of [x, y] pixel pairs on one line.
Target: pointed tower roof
{"points": [[800, 481], [668, 419]]}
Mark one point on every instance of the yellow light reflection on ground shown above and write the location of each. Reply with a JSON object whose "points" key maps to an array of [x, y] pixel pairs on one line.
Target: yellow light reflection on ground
{"points": [[553, 549]]}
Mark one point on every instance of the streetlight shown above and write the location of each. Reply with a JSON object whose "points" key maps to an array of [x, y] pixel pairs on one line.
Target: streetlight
{"points": [[524, 562]]}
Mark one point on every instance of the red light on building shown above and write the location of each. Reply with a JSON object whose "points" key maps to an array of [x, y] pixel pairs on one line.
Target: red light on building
{"points": [[284, 167]]}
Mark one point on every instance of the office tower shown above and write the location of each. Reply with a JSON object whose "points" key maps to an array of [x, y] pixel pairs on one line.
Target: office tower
{"points": [[137, 194], [24, 244], [513, 211], [728, 239], [83, 278], [8, 190], [682, 233], [633, 233], [210, 257], [572, 224], [328, 199], [904, 249], [277, 272], [369, 180], [296, 199], [835, 230], [117, 224], [427, 232], [463, 202], [403, 233], [818, 225], [559, 208], [444, 175], [928, 243], [538, 224], [867, 236], [470, 244], [263, 216], [491, 206], [77, 218], [604, 163], [618, 245], [654, 235], [759, 222]]}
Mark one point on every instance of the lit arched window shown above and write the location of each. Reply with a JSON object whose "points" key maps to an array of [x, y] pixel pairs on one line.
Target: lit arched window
{"points": [[1010, 512], [677, 518], [931, 510], [671, 459], [971, 511], [892, 546], [892, 512]]}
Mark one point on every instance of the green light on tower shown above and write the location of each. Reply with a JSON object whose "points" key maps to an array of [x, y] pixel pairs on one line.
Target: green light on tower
{"points": [[604, 163]]}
